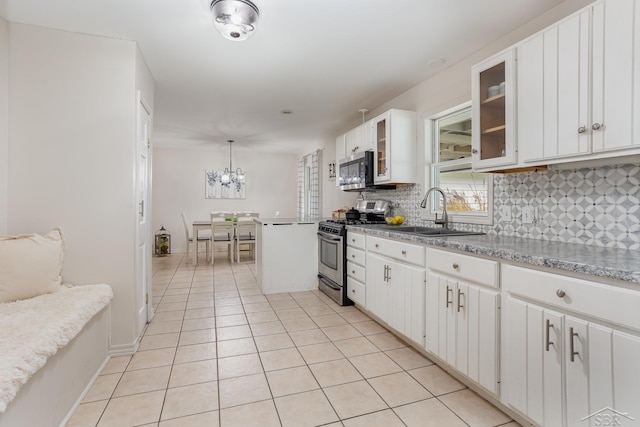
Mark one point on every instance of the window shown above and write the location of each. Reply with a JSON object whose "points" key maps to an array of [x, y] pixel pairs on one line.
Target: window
{"points": [[448, 148]]}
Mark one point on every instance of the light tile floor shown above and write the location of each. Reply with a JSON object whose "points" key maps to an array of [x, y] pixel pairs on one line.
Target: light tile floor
{"points": [[219, 353]]}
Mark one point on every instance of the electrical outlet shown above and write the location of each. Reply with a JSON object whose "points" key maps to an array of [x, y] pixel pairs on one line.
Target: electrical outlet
{"points": [[527, 215], [505, 213]]}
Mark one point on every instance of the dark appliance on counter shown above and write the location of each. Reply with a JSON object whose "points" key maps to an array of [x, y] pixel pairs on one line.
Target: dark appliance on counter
{"points": [[332, 247]]}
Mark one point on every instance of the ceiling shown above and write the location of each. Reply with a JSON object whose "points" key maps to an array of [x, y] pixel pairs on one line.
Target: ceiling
{"points": [[322, 60]]}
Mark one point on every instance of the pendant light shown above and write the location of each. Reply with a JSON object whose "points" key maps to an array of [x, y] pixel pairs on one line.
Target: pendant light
{"points": [[235, 19]]}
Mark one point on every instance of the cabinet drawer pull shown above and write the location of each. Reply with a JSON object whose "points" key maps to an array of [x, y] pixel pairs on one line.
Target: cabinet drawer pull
{"points": [[596, 126], [460, 294], [571, 344], [447, 298], [404, 252], [474, 151], [353, 272], [388, 273], [377, 246], [353, 291], [582, 129], [560, 293], [455, 266], [548, 343], [353, 255]]}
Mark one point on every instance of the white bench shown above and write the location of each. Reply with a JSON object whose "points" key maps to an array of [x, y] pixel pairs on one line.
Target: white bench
{"points": [[52, 348]]}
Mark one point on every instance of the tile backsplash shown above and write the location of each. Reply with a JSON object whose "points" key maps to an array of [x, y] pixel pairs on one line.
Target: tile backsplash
{"points": [[591, 206]]}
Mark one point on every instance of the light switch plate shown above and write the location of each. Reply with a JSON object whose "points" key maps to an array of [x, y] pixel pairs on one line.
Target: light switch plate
{"points": [[527, 214]]}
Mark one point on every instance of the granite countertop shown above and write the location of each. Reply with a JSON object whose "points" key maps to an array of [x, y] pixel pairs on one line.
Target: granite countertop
{"points": [[613, 263], [266, 221]]}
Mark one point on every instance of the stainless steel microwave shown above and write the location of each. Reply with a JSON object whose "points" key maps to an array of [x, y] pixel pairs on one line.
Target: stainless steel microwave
{"points": [[355, 173]]}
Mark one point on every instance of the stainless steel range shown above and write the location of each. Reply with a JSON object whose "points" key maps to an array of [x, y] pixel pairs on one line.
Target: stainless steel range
{"points": [[332, 248]]}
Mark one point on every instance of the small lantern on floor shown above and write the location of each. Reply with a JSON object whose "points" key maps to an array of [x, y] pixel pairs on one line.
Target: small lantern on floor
{"points": [[163, 242]]}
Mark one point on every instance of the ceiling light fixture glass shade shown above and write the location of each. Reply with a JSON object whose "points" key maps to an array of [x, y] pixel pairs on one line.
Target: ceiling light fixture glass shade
{"points": [[235, 19]]}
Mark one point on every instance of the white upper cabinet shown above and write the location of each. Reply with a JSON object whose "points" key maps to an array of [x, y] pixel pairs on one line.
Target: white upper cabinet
{"points": [[579, 86], [358, 139], [394, 138], [493, 112]]}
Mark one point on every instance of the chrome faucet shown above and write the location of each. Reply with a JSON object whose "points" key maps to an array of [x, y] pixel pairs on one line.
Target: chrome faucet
{"points": [[443, 221]]}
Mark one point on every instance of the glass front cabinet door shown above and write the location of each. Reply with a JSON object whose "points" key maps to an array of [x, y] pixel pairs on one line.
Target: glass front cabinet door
{"points": [[493, 112]]}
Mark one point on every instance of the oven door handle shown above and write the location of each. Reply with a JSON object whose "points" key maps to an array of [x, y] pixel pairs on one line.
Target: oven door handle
{"points": [[329, 237], [328, 283]]}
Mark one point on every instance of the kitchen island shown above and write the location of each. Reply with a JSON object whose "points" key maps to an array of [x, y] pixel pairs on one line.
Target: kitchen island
{"points": [[287, 254]]}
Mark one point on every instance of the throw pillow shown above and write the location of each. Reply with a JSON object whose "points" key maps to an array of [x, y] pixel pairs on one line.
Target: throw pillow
{"points": [[30, 265]]}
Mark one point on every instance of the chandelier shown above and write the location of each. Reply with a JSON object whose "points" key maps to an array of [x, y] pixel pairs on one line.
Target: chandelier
{"points": [[229, 175]]}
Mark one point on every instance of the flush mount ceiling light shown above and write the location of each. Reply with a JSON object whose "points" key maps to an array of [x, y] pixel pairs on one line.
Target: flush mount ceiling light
{"points": [[235, 19]]}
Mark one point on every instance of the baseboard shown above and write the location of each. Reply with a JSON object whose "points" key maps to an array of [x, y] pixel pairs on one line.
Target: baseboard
{"points": [[124, 349]]}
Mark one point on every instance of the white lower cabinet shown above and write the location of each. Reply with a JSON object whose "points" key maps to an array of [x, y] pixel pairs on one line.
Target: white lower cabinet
{"points": [[564, 368], [395, 289], [462, 319]]}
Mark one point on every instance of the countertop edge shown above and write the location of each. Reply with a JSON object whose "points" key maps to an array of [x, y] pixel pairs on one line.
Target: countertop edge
{"points": [[609, 263]]}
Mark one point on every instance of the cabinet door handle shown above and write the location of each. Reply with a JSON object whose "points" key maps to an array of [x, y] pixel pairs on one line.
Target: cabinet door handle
{"points": [[455, 266], [404, 252], [353, 255], [377, 246], [582, 129], [388, 273], [572, 351], [548, 343], [385, 273], [474, 151], [449, 301], [460, 294], [596, 126]]}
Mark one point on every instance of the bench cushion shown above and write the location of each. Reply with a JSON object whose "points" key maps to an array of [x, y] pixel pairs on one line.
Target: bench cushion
{"points": [[34, 329]]}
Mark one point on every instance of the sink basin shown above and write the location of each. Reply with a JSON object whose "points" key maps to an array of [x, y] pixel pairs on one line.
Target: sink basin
{"points": [[432, 231]]}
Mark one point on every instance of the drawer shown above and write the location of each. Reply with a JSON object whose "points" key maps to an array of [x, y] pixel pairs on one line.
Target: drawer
{"points": [[355, 291], [473, 269], [356, 271], [356, 240], [606, 302], [355, 255], [402, 251]]}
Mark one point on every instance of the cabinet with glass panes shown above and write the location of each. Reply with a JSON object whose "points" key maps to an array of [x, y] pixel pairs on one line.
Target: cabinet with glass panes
{"points": [[493, 98]]}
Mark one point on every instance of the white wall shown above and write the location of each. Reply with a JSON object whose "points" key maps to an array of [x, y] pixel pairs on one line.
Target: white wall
{"points": [[179, 186], [4, 122], [72, 115]]}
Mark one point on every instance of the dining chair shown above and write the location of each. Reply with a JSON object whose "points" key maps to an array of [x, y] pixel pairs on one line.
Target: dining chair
{"points": [[246, 229], [200, 239], [222, 232]]}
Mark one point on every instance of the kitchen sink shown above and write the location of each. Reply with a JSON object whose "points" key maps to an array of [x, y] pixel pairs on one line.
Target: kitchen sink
{"points": [[430, 231]]}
